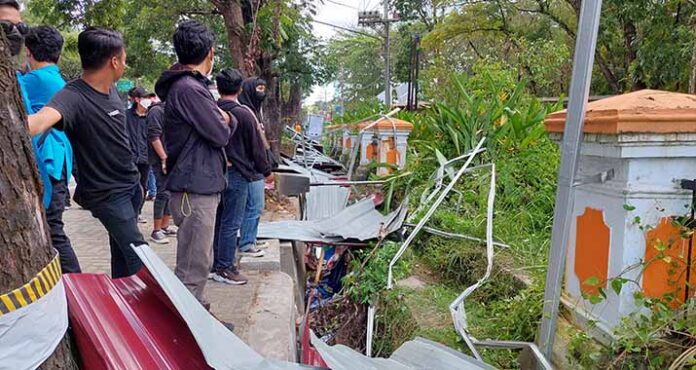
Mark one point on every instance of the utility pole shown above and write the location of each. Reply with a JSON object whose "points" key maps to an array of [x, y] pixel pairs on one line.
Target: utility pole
{"points": [[370, 19], [387, 44]]}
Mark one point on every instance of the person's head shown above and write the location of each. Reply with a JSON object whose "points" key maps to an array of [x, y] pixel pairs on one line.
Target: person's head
{"points": [[44, 44], [253, 93], [12, 25], [229, 82], [102, 50], [153, 97], [140, 98], [193, 43]]}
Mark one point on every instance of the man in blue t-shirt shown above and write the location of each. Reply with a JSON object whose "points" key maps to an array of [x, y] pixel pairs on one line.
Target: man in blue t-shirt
{"points": [[43, 80]]}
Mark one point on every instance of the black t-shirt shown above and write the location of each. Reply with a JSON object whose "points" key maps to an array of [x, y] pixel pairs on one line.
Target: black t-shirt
{"points": [[95, 123]]}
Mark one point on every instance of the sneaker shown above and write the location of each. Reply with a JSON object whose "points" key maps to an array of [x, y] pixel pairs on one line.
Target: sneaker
{"points": [[159, 237], [229, 276], [253, 252], [141, 220], [170, 230], [262, 244]]}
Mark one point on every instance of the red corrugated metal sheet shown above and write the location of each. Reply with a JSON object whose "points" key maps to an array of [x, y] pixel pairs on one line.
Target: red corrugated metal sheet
{"points": [[128, 323]]}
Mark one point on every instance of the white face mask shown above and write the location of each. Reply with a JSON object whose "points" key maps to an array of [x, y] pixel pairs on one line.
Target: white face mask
{"points": [[146, 103]]}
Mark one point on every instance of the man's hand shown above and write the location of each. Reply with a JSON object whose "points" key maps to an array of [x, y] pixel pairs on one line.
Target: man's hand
{"points": [[43, 120], [269, 179], [164, 165], [225, 116]]}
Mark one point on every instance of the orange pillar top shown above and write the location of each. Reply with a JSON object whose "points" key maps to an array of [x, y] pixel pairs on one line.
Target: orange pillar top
{"points": [[644, 111]]}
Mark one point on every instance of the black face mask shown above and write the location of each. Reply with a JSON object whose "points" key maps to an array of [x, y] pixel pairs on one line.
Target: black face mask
{"points": [[15, 35], [260, 96]]}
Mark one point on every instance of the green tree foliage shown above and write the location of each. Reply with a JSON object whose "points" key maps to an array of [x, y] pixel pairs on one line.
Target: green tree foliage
{"points": [[358, 63]]}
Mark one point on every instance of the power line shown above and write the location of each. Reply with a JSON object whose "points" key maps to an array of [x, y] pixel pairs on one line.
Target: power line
{"points": [[345, 29], [341, 4]]}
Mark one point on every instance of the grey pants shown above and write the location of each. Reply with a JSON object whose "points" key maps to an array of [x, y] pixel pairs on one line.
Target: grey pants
{"points": [[194, 215]]}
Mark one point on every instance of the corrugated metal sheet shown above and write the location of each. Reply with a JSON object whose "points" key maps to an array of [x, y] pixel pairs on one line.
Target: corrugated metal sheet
{"points": [[418, 354], [322, 201], [361, 221]]}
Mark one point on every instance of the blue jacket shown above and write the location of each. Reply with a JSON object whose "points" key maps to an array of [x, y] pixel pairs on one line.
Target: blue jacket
{"points": [[55, 152]]}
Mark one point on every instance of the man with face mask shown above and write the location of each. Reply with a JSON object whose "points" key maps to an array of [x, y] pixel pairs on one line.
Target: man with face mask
{"points": [[91, 113], [252, 97], [196, 133], [137, 131]]}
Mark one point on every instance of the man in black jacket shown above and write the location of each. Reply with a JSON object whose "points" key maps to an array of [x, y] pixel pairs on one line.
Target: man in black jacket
{"points": [[92, 115], [196, 133], [246, 163], [137, 133]]}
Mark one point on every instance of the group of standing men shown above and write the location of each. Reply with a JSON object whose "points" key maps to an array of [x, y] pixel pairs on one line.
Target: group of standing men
{"points": [[210, 158]]}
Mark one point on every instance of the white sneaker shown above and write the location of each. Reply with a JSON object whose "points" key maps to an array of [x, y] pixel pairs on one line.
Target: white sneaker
{"points": [[253, 252], [262, 244], [141, 220], [159, 237]]}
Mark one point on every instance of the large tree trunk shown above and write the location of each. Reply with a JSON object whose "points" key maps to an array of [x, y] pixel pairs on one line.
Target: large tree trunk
{"points": [[271, 106], [292, 108], [692, 77], [231, 11], [25, 244]]}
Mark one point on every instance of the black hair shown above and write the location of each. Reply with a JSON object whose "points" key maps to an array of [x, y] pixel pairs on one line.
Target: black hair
{"points": [[45, 43], [192, 42], [229, 81], [137, 92], [97, 46], [12, 3], [151, 95]]}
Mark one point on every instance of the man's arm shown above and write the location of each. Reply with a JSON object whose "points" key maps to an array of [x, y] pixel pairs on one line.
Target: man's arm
{"points": [[161, 153], [197, 107], [43, 120]]}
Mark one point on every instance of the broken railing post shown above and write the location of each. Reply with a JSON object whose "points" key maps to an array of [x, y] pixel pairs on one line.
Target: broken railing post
{"points": [[579, 93]]}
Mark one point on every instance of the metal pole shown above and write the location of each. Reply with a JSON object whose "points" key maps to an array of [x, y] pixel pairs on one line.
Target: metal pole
{"points": [[387, 72], [570, 151]]}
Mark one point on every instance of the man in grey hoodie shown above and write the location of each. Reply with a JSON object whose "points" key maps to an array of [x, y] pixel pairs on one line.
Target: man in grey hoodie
{"points": [[197, 132]]}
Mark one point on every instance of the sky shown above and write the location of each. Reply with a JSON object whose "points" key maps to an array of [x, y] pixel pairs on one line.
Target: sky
{"points": [[342, 13]]}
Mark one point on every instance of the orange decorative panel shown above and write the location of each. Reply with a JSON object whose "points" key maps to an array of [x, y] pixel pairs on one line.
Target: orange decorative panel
{"points": [[592, 250], [666, 254]]}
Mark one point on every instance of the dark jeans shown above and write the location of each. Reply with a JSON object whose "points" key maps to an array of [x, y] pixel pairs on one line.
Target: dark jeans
{"points": [[252, 215], [54, 217], [119, 215], [161, 206], [230, 215], [144, 170], [151, 183]]}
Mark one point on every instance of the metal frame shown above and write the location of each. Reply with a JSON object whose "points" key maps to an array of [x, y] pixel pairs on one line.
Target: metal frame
{"points": [[431, 211], [572, 137]]}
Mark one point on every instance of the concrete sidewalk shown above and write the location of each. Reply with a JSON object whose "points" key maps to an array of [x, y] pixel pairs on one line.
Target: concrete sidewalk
{"points": [[264, 301]]}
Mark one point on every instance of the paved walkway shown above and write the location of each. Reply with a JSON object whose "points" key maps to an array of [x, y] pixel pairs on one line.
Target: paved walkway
{"points": [[229, 303]]}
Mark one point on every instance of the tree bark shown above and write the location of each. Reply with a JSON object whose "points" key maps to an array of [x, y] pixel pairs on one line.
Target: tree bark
{"points": [[292, 108], [692, 78], [25, 244], [271, 107], [231, 11]]}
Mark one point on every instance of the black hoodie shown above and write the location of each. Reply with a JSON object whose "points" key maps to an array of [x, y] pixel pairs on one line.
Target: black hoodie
{"points": [[249, 95], [246, 152], [196, 133]]}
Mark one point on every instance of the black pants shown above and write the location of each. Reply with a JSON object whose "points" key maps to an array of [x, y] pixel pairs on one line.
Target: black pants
{"points": [[119, 215], [144, 170], [54, 217], [161, 206]]}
